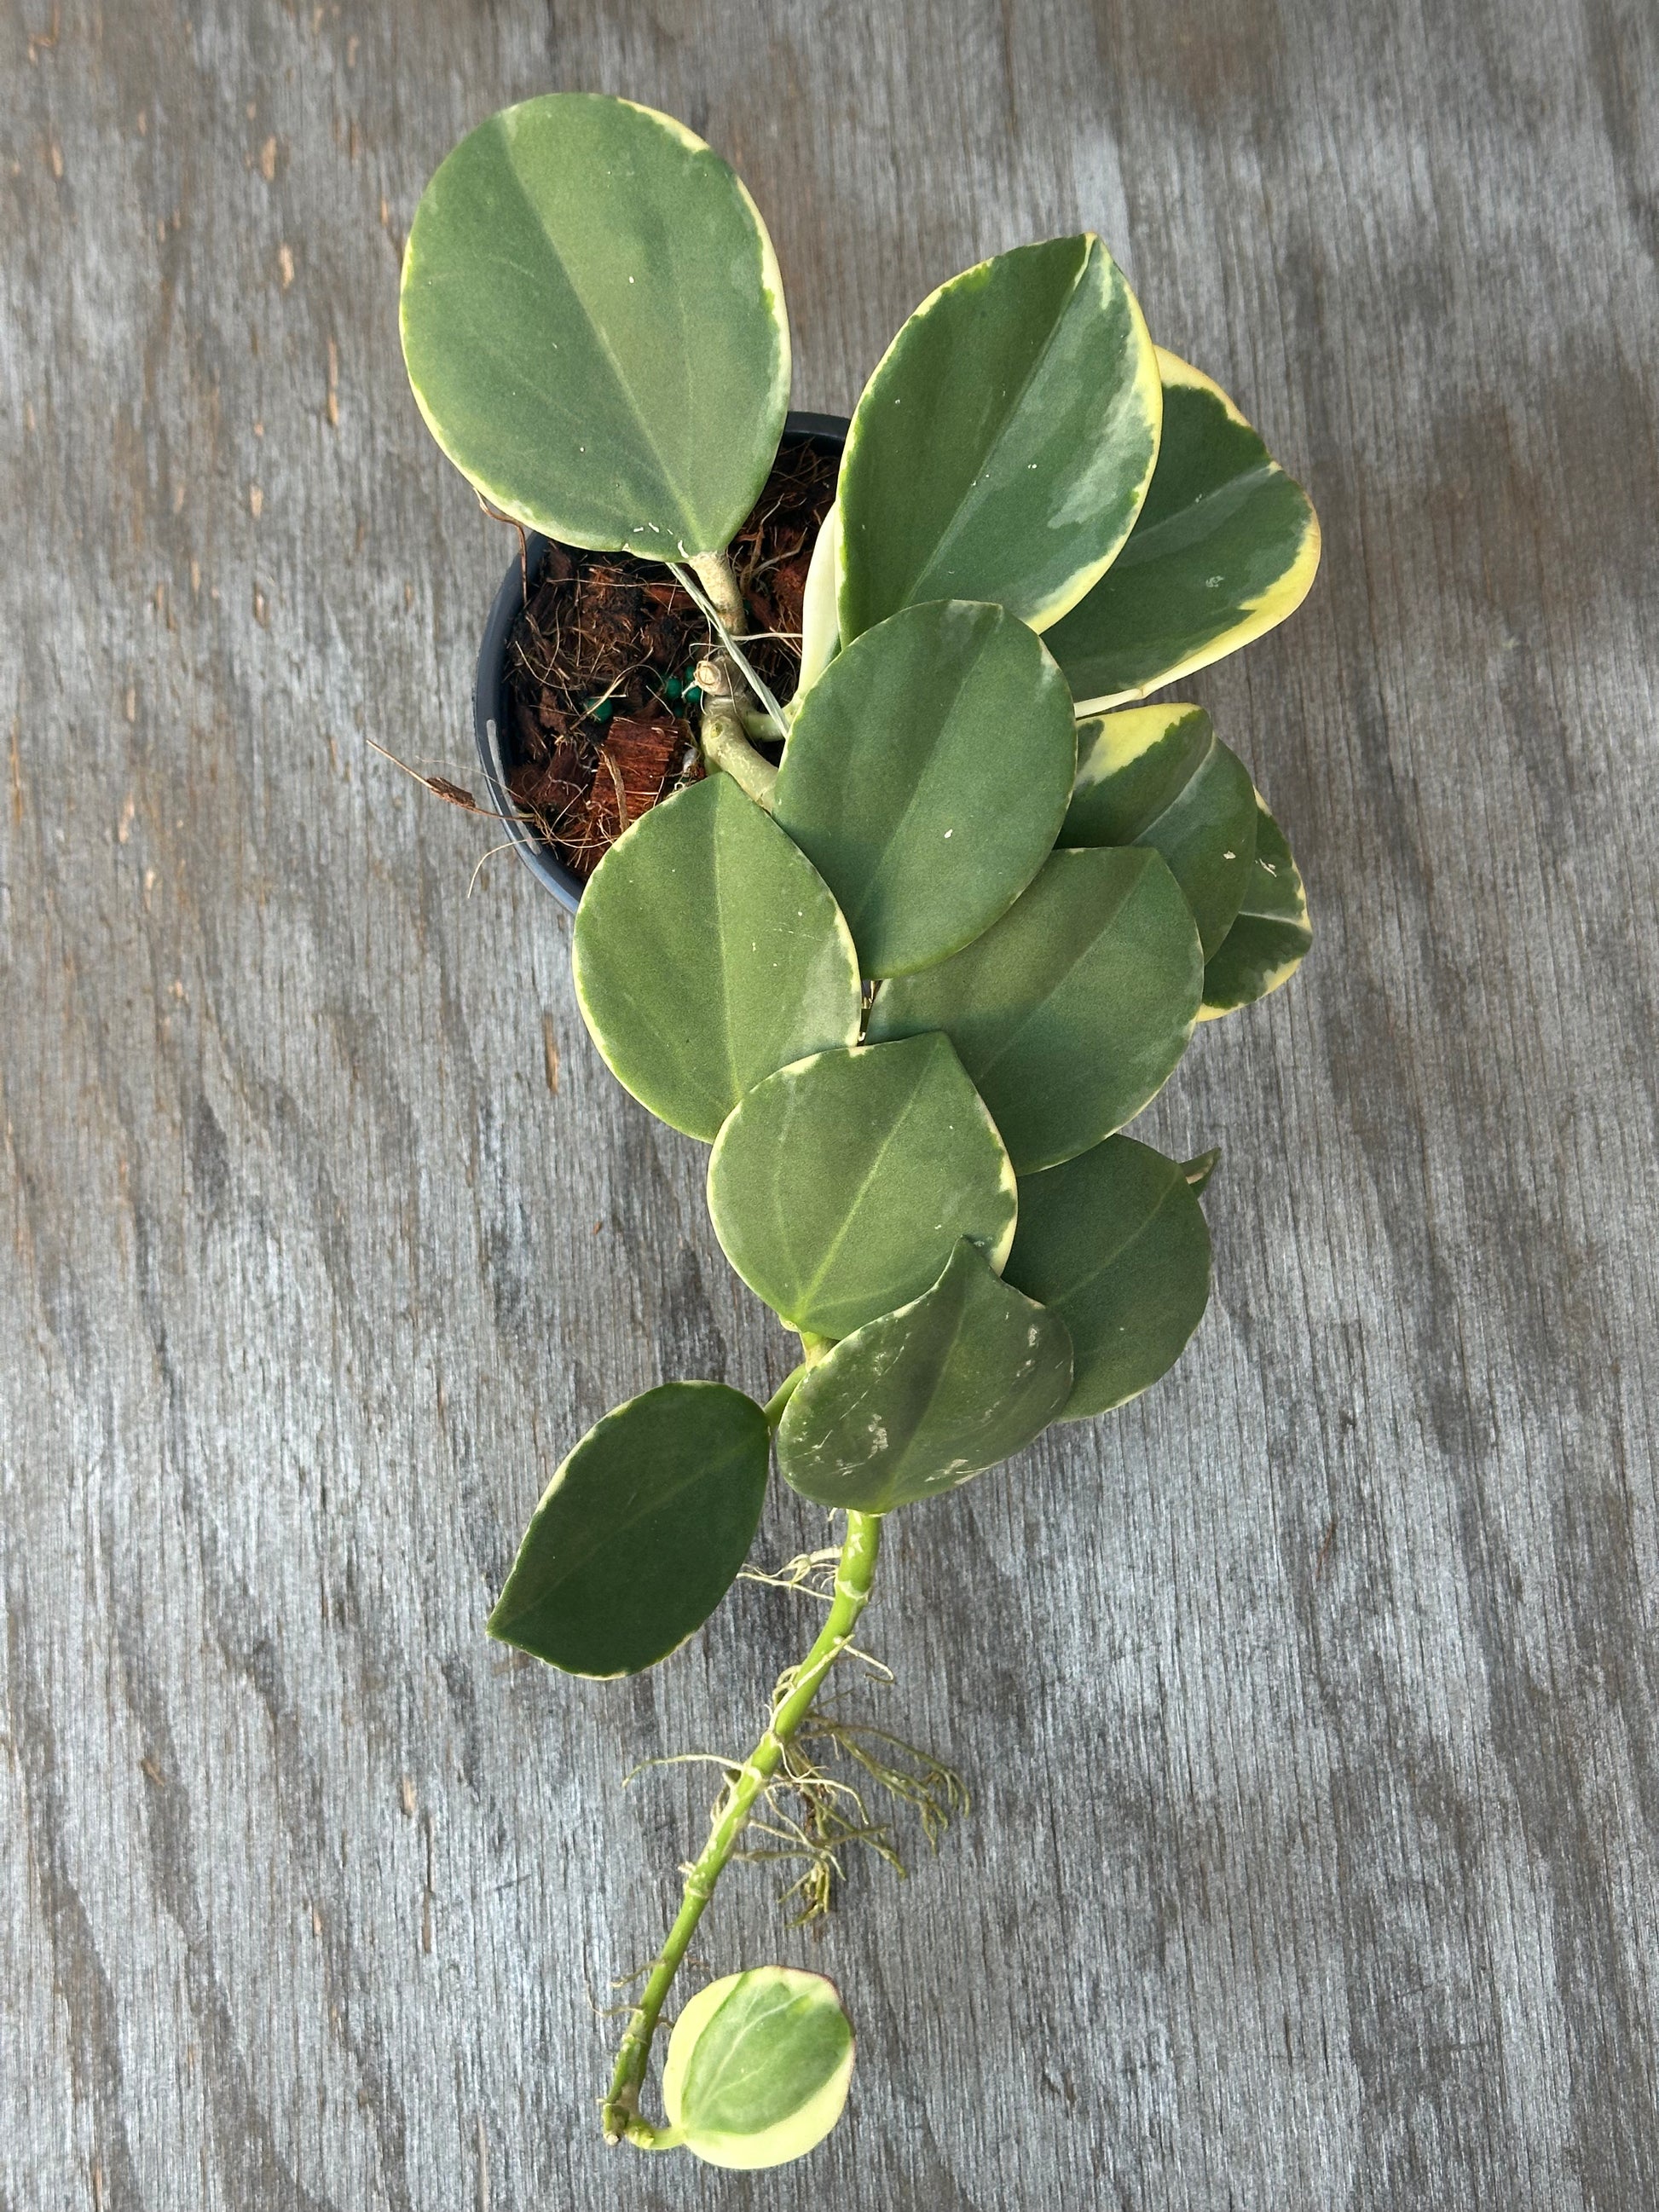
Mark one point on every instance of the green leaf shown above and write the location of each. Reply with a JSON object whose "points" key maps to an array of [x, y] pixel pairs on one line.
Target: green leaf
{"points": [[1070, 1012], [640, 1532], [1270, 938], [758, 2067], [593, 325], [927, 775], [840, 1186], [1004, 445], [1225, 547], [1114, 1242], [1160, 777], [708, 952], [915, 1403], [820, 625]]}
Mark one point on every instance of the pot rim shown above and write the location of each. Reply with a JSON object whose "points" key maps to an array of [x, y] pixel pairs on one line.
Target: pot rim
{"points": [[489, 683]]}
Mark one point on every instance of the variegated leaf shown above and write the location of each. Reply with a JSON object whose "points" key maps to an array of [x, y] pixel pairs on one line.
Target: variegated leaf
{"points": [[1004, 443], [593, 325], [1160, 777], [1225, 547], [915, 1402], [1270, 937]]}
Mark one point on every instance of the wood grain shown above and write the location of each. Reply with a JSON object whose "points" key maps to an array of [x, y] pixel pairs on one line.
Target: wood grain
{"points": [[1311, 1703]]}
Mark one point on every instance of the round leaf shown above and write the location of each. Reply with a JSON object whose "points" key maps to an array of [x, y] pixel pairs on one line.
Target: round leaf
{"points": [[912, 1404], [1070, 1012], [840, 1186], [1270, 938], [593, 325], [1225, 547], [640, 1532], [707, 952], [1160, 777], [1004, 445], [1115, 1242], [758, 2067], [926, 777]]}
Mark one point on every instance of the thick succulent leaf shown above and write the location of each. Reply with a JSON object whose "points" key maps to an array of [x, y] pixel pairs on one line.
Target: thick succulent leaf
{"points": [[1003, 447], [1071, 1011], [1225, 547], [926, 777], [708, 952], [820, 624], [593, 325], [912, 1404], [1160, 777], [1269, 940], [1114, 1242], [758, 2067], [640, 1532], [839, 1187]]}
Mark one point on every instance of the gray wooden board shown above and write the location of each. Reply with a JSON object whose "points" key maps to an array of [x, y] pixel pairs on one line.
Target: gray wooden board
{"points": [[1309, 1702]]}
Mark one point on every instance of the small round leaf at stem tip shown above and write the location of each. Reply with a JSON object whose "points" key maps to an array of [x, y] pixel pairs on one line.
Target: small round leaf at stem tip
{"points": [[759, 2068]]}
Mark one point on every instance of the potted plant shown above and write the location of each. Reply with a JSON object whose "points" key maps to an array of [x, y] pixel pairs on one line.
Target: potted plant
{"points": [[922, 915]]}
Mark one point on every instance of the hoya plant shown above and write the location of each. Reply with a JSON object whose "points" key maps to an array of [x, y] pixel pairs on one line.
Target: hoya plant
{"points": [[907, 949]]}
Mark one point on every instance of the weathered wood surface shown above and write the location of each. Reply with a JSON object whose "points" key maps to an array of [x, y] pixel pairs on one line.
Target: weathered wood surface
{"points": [[1311, 1703]]}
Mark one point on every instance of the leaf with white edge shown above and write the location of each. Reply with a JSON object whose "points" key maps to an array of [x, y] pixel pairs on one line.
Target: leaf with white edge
{"points": [[640, 1532], [926, 777], [1072, 1012], [594, 329], [708, 952], [820, 630], [1004, 443], [915, 1403], [840, 1187], [1269, 940], [1225, 547], [1115, 1244], [1160, 777], [758, 2067]]}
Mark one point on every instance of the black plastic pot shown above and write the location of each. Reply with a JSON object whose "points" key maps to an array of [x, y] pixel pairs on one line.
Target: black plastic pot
{"points": [[496, 738]]}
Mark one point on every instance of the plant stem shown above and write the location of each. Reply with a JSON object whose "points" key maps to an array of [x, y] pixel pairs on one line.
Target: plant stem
{"points": [[720, 579], [855, 1571], [725, 746], [781, 1397]]}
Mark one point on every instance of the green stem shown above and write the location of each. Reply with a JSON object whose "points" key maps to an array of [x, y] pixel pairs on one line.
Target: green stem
{"points": [[855, 1573], [725, 746], [782, 1395]]}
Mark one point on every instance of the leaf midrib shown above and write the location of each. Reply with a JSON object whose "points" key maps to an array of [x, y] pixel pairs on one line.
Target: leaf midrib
{"points": [[596, 329]]}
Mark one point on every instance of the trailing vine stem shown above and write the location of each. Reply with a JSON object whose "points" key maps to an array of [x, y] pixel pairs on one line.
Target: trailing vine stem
{"points": [[854, 1573]]}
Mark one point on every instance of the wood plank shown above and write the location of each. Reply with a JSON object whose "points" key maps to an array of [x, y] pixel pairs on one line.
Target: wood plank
{"points": [[1311, 1703]]}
